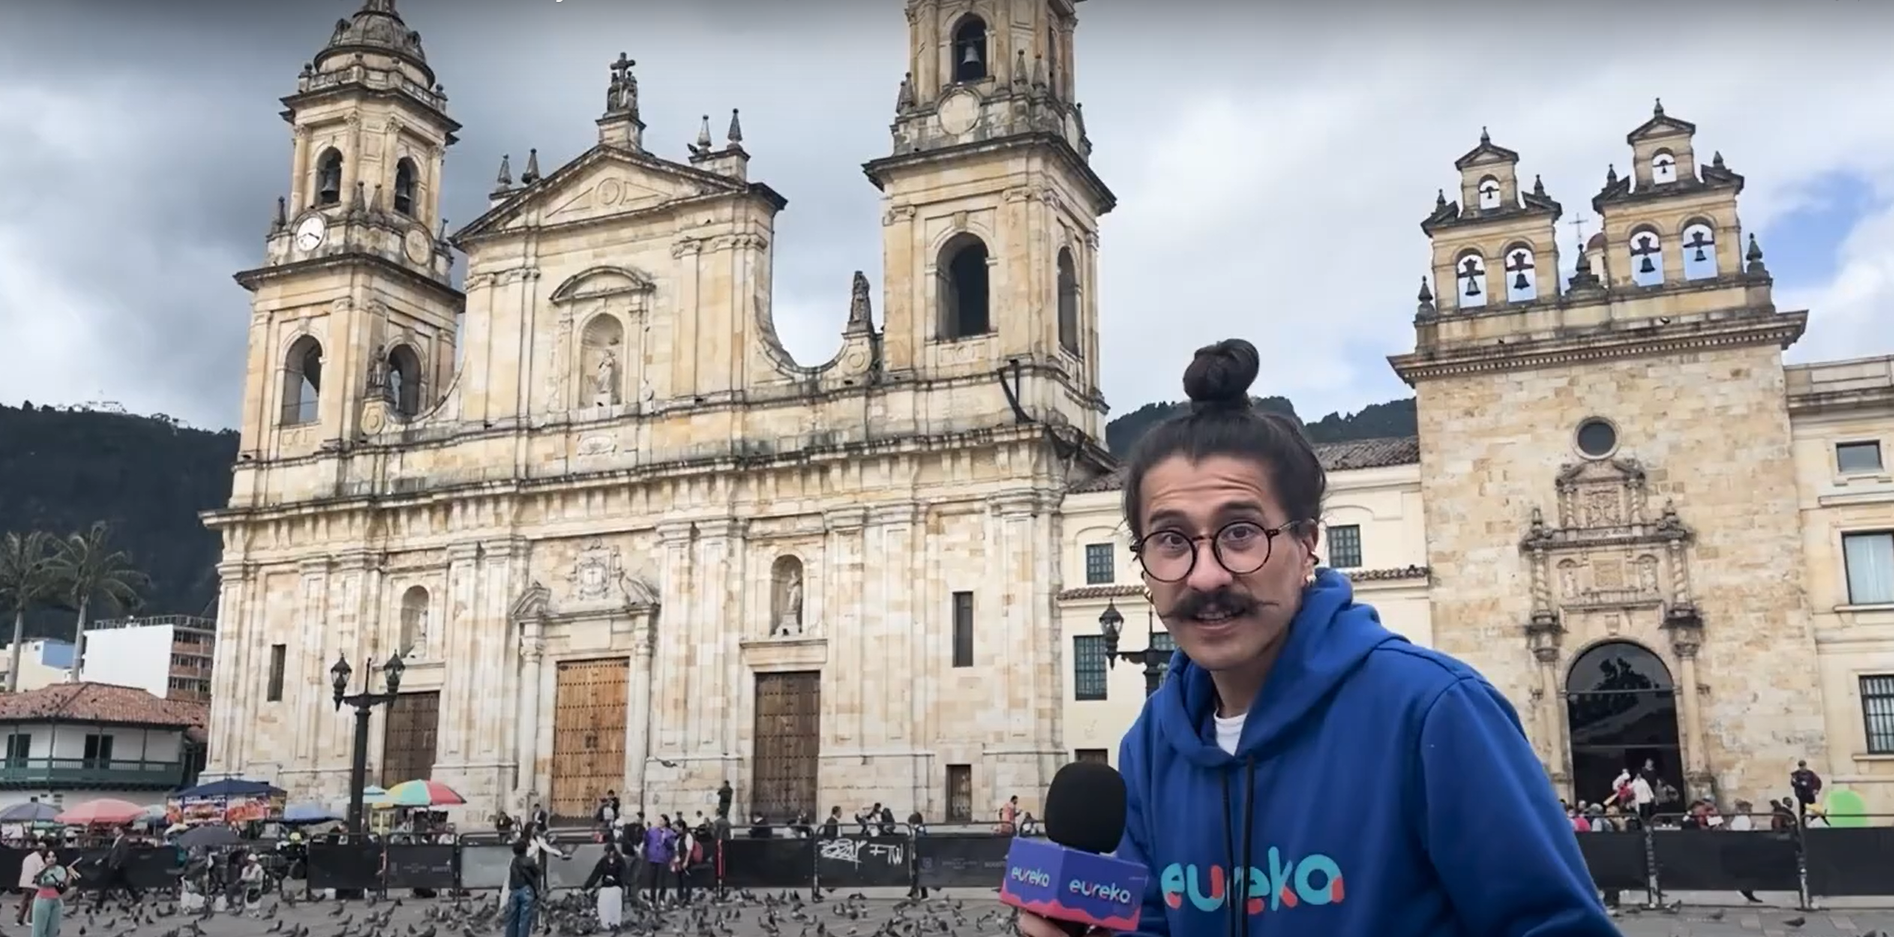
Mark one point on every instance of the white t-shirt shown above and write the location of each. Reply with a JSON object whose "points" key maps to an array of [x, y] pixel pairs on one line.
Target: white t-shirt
{"points": [[30, 868], [1641, 792], [1229, 732]]}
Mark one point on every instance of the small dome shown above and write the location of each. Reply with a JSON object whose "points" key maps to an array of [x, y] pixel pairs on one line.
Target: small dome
{"points": [[1597, 242], [376, 27]]}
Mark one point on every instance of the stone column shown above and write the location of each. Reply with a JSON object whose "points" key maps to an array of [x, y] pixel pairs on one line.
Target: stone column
{"points": [[1551, 715], [638, 710], [845, 695], [300, 171], [487, 636], [889, 591], [532, 667], [708, 701], [1009, 605], [352, 162], [1696, 765], [459, 648], [319, 647], [230, 710], [668, 701]]}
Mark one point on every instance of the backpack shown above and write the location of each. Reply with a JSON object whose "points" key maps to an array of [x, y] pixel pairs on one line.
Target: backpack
{"points": [[697, 851]]}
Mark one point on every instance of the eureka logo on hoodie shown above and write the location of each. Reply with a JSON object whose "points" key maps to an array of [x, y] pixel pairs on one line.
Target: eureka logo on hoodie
{"points": [[1315, 879]]}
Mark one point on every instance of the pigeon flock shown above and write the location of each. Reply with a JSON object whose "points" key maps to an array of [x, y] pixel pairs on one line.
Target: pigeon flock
{"points": [[742, 913], [568, 914]]}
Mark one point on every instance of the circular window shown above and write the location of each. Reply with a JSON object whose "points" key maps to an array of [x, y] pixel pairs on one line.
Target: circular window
{"points": [[1596, 439]]}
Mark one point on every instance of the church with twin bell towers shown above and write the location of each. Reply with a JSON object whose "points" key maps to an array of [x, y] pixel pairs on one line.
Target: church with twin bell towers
{"points": [[618, 538]]}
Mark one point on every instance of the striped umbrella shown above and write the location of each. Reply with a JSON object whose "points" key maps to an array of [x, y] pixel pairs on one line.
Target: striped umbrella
{"points": [[423, 794]]}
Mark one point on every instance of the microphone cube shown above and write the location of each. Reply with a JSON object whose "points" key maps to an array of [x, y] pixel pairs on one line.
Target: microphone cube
{"points": [[1062, 884]]}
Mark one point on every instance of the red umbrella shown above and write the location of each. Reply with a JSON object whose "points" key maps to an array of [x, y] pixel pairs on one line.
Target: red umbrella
{"points": [[106, 812]]}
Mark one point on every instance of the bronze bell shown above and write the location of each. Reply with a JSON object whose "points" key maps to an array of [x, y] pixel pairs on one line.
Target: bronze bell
{"points": [[1473, 286], [1700, 256], [972, 57], [1519, 281], [1647, 266]]}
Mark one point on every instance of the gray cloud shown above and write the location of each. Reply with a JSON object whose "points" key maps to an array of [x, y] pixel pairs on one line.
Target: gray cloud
{"points": [[1272, 164]]}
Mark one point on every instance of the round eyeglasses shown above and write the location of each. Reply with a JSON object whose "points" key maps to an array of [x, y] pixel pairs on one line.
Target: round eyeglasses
{"points": [[1241, 548]]}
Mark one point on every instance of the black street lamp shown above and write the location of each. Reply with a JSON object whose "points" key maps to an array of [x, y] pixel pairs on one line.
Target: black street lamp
{"points": [[364, 703], [1154, 661]]}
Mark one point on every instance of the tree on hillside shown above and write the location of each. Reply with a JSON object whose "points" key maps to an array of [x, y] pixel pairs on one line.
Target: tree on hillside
{"points": [[87, 567], [26, 581]]}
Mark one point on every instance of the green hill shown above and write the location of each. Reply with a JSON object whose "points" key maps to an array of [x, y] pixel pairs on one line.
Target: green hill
{"points": [[148, 477]]}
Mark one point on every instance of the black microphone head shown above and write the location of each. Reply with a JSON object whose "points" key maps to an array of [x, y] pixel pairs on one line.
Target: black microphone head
{"points": [[1085, 807]]}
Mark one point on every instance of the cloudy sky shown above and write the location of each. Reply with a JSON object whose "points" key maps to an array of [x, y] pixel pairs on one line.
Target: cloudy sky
{"points": [[1272, 163]]}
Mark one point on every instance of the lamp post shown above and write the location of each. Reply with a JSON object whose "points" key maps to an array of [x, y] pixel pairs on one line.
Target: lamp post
{"points": [[1155, 662], [364, 703]]}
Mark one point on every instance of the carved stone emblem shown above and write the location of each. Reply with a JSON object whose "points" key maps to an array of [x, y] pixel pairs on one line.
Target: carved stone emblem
{"points": [[595, 572]]}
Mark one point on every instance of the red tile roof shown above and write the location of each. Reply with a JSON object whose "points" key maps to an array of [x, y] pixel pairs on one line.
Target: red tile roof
{"points": [[102, 703], [1335, 456]]}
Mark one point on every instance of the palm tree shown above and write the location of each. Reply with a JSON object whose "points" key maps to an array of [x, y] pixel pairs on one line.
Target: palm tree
{"points": [[85, 566], [26, 581]]}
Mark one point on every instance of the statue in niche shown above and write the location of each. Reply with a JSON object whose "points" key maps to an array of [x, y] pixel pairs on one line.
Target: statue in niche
{"points": [[1568, 579], [788, 617], [1647, 574], [605, 382]]}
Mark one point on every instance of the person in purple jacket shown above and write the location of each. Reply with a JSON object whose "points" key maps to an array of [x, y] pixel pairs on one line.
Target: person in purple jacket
{"points": [[659, 842]]}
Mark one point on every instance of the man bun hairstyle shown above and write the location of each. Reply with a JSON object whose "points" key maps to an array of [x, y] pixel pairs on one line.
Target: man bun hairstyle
{"points": [[1222, 420]]}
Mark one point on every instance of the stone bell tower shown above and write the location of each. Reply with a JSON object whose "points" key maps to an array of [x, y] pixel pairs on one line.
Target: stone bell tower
{"points": [[353, 318], [1603, 452], [990, 214]]}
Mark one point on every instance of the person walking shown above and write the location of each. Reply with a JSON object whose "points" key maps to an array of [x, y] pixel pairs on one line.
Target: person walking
{"points": [[49, 901], [522, 890], [31, 865]]}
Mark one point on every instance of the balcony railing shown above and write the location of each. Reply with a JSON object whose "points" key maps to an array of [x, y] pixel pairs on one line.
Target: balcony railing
{"points": [[69, 772]]}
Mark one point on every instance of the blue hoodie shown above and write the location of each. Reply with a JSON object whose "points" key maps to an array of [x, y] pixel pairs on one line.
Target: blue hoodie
{"points": [[1379, 790]]}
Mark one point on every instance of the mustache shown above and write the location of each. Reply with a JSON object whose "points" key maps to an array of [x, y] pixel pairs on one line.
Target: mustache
{"points": [[1193, 602]]}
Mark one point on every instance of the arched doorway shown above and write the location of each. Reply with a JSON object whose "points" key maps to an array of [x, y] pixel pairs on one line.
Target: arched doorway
{"points": [[1621, 712]]}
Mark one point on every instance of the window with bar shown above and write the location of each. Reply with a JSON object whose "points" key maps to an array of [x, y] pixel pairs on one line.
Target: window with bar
{"points": [[1344, 547], [963, 629], [1877, 712], [1098, 564], [1088, 667], [1099, 755]]}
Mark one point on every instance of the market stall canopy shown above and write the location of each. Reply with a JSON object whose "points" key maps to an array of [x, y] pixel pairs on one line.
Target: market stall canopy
{"points": [[232, 787], [308, 812], [107, 811], [29, 812]]}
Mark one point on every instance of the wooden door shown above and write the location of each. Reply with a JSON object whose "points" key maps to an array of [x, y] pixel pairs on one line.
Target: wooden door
{"points": [[410, 731], [588, 735], [788, 745]]}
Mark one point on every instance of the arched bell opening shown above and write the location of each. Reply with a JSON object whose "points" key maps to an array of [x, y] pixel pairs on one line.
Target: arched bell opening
{"points": [[1621, 714]]}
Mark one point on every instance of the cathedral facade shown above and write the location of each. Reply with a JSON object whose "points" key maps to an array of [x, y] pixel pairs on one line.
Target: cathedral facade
{"points": [[629, 543]]}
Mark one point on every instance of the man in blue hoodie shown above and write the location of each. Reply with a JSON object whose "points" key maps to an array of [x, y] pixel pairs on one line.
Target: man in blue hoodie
{"points": [[1360, 786]]}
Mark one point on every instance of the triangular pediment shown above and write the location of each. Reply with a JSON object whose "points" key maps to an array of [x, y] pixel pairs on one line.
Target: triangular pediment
{"points": [[1487, 153], [1661, 126], [603, 182]]}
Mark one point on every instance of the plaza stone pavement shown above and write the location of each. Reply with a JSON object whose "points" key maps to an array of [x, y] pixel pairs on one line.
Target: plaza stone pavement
{"points": [[870, 913]]}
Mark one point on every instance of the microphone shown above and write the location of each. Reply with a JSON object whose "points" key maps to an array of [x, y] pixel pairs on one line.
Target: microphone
{"points": [[1068, 878]]}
